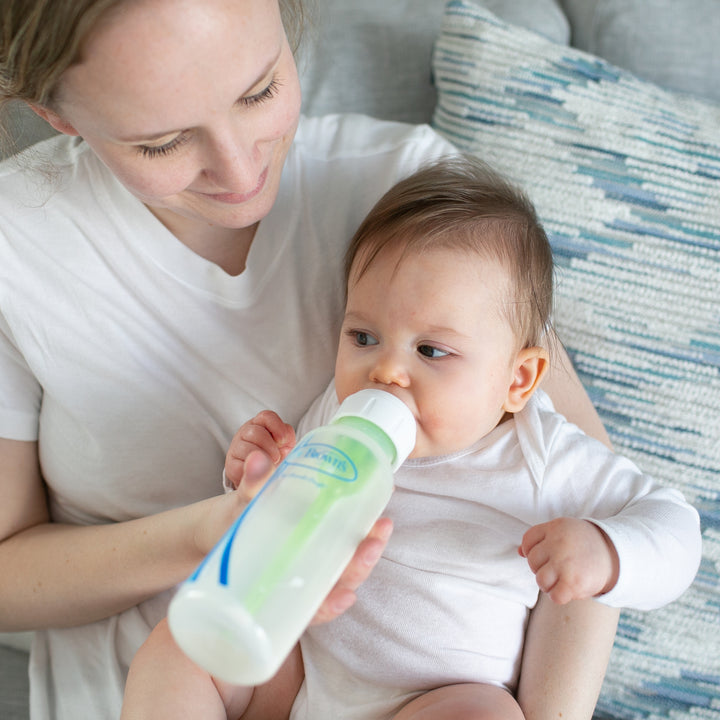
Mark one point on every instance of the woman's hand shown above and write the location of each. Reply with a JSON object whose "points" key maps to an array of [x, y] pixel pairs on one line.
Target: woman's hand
{"points": [[342, 596]]}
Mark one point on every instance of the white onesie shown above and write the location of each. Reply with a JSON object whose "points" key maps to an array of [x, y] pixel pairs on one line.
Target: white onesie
{"points": [[449, 600]]}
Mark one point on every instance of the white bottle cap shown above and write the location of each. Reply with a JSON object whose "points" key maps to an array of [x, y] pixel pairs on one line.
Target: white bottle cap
{"points": [[389, 413]]}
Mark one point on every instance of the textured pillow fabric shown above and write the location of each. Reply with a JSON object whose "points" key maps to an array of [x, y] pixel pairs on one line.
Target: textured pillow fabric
{"points": [[626, 178]]}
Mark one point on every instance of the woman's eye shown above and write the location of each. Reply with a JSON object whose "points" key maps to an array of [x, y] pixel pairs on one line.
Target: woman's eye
{"points": [[152, 151], [268, 93], [431, 352]]}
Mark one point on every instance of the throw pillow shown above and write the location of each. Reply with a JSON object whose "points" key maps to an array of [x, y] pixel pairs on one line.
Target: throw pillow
{"points": [[626, 177]]}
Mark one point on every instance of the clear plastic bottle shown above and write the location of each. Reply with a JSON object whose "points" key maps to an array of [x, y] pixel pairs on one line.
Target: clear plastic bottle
{"points": [[242, 611]]}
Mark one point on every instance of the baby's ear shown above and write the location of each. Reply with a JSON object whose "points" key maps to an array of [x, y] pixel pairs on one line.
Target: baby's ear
{"points": [[530, 366]]}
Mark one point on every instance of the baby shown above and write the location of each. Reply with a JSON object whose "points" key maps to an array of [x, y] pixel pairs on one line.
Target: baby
{"points": [[449, 299]]}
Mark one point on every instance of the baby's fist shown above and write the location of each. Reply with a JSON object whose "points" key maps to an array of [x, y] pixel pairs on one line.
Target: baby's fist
{"points": [[572, 559]]}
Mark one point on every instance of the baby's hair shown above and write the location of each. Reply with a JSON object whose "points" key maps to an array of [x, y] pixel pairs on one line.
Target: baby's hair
{"points": [[460, 203]]}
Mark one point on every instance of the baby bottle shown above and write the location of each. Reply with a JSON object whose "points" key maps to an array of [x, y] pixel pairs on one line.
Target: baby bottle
{"points": [[241, 612]]}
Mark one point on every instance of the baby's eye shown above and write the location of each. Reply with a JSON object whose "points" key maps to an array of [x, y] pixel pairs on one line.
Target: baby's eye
{"points": [[432, 352], [363, 338]]}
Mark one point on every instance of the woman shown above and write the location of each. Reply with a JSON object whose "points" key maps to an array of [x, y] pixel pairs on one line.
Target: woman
{"points": [[147, 312]]}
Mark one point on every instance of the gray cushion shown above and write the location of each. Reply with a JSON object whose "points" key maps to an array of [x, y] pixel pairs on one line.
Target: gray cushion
{"points": [[14, 684], [371, 57], [674, 44], [374, 56], [544, 17], [24, 128]]}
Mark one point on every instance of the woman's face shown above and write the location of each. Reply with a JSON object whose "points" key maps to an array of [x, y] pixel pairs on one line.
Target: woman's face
{"points": [[192, 104]]}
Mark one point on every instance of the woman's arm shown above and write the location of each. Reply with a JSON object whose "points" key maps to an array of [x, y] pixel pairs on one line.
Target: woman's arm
{"points": [[567, 647], [566, 391], [63, 575]]}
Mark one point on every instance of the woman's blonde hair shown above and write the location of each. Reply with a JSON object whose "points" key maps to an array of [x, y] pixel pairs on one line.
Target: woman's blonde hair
{"points": [[461, 204], [41, 39]]}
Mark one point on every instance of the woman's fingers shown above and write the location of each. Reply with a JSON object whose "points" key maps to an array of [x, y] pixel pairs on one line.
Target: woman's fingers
{"points": [[367, 555]]}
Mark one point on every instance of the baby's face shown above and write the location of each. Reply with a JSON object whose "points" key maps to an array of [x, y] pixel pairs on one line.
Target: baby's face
{"points": [[430, 330]]}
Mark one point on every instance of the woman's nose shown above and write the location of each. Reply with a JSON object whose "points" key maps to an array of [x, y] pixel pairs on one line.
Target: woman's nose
{"points": [[390, 370], [231, 163]]}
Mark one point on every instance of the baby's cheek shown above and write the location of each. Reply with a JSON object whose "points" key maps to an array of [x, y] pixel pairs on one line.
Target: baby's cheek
{"points": [[436, 435]]}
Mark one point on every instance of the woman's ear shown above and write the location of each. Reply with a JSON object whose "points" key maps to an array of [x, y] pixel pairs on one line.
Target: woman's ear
{"points": [[54, 120], [530, 366]]}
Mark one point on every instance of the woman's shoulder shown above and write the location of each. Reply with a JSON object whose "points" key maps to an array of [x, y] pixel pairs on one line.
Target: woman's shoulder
{"points": [[59, 151], [341, 164], [32, 176], [353, 135]]}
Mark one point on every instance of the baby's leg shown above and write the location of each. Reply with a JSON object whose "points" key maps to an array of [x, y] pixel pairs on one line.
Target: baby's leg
{"points": [[468, 701], [274, 699], [164, 683]]}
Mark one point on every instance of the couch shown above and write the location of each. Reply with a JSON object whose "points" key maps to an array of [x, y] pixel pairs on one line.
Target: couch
{"points": [[607, 112]]}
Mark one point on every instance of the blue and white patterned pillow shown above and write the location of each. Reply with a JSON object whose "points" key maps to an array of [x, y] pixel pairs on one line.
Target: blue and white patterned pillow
{"points": [[626, 177]]}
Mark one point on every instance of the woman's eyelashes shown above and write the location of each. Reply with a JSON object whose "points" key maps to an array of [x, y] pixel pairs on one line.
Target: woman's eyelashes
{"points": [[155, 151], [263, 96]]}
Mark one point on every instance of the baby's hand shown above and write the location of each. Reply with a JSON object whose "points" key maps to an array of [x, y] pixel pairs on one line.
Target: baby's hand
{"points": [[572, 559], [266, 433]]}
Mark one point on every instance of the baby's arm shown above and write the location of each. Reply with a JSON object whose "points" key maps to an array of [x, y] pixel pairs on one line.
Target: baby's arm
{"points": [[650, 534], [267, 433], [572, 559]]}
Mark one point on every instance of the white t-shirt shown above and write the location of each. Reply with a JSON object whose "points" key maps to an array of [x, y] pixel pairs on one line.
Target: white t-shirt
{"points": [[133, 360], [449, 600]]}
